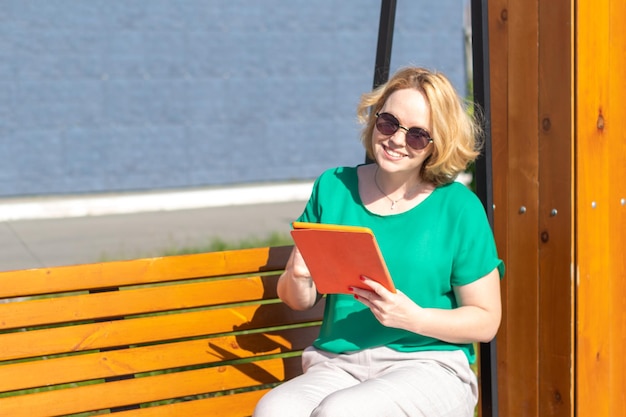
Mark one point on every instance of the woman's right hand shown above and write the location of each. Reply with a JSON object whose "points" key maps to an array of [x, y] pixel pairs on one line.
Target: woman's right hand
{"points": [[295, 286]]}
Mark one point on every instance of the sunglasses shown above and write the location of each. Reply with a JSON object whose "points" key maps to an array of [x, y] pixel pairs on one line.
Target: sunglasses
{"points": [[416, 137]]}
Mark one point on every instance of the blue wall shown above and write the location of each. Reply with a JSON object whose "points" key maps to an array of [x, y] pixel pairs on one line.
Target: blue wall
{"points": [[120, 95]]}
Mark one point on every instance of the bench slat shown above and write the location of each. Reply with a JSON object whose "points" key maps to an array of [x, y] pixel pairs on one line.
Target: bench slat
{"points": [[149, 389], [31, 282], [236, 405], [149, 329], [137, 301], [152, 358]]}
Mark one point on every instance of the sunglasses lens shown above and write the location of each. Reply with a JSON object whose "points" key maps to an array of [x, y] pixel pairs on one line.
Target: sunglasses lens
{"points": [[387, 124], [417, 138]]}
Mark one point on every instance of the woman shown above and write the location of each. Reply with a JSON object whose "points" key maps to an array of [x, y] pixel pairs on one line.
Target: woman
{"points": [[406, 353]]}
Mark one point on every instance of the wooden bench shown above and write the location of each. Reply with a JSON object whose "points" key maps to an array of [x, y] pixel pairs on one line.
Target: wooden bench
{"points": [[175, 336]]}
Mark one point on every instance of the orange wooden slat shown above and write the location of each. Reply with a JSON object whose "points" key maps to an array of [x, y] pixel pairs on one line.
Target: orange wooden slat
{"points": [[149, 329], [594, 309], [617, 211], [601, 219], [556, 247], [520, 348], [132, 302], [236, 405], [141, 271], [123, 362], [148, 389]]}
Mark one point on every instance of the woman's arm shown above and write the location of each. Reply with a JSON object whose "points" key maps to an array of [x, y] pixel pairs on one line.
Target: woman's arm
{"points": [[475, 320], [295, 286]]}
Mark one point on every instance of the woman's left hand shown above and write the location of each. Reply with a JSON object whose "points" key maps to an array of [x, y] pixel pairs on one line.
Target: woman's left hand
{"points": [[390, 309], [475, 319]]}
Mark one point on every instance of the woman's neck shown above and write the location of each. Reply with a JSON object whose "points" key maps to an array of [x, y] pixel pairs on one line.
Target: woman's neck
{"points": [[398, 189], [397, 185]]}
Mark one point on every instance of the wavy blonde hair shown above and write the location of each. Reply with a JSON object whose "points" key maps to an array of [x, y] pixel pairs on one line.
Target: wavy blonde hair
{"points": [[457, 135]]}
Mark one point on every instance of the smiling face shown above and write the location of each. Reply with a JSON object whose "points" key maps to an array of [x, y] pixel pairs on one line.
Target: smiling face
{"points": [[391, 152]]}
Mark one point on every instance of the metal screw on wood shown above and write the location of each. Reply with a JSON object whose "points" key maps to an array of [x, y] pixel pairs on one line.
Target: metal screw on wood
{"points": [[553, 213], [522, 210]]}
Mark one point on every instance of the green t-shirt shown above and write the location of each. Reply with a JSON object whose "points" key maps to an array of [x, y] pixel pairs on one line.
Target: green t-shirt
{"points": [[446, 240]]}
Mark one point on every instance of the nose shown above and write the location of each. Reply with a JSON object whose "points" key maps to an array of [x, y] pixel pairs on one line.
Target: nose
{"points": [[397, 138]]}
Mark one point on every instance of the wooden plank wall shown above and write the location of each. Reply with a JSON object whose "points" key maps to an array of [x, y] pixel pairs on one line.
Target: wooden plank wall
{"points": [[532, 118], [558, 78], [601, 205]]}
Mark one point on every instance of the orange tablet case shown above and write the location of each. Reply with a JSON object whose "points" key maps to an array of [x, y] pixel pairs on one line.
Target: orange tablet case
{"points": [[338, 255]]}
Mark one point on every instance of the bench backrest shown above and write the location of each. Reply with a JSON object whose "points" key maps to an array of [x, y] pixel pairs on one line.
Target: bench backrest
{"points": [[184, 335]]}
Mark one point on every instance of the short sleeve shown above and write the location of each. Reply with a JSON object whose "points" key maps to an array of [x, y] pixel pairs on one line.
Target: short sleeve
{"points": [[475, 248]]}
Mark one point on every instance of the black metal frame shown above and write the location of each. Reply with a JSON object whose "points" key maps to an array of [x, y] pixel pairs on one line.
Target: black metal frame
{"points": [[484, 183], [383, 48], [385, 41], [483, 172]]}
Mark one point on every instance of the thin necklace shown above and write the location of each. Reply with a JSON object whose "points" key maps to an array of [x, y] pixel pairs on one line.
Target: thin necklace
{"points": [[393, 202]]}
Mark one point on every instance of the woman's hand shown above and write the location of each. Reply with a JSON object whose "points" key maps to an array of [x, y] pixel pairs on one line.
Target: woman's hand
{"points": [[476, 319], [390, 309]]}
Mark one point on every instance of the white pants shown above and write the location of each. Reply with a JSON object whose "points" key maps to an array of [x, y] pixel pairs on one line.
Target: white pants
{"points": [[378, 382]]}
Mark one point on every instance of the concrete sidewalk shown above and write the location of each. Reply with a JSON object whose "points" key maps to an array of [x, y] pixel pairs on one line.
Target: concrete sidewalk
{"points": [[34, 241]]}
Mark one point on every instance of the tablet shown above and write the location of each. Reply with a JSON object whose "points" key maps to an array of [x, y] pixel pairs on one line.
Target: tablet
{"points": [[338, 255]]}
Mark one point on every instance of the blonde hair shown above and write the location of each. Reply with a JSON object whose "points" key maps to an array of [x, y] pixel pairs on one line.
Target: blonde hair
{"points": [[457, 135]]}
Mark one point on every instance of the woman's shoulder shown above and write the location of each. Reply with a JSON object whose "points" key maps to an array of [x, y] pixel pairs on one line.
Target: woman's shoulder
{"points": [[458, 195], [334, 189], [340, 170], [455, 188], [340, 174]]}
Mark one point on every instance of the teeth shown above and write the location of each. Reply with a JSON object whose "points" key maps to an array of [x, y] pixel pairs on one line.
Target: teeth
{"points": [[394, 154]]}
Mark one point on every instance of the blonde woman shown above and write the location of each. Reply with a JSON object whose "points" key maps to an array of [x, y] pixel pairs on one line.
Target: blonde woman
{"points": [[407, 353]]}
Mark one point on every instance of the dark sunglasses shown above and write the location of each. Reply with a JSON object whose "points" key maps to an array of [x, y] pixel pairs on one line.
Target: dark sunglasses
{"points": [[416, 137]]}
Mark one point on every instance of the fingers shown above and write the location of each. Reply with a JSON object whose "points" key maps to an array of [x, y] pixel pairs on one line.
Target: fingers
{"points": [[377, 296], [367, 296], [375, 286]]}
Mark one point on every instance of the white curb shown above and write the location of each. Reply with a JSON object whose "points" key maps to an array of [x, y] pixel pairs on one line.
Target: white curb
{"points": [[99, 205]]}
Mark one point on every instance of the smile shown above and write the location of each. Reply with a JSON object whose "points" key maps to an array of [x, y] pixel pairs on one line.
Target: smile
{"points": [[392, 153]]}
